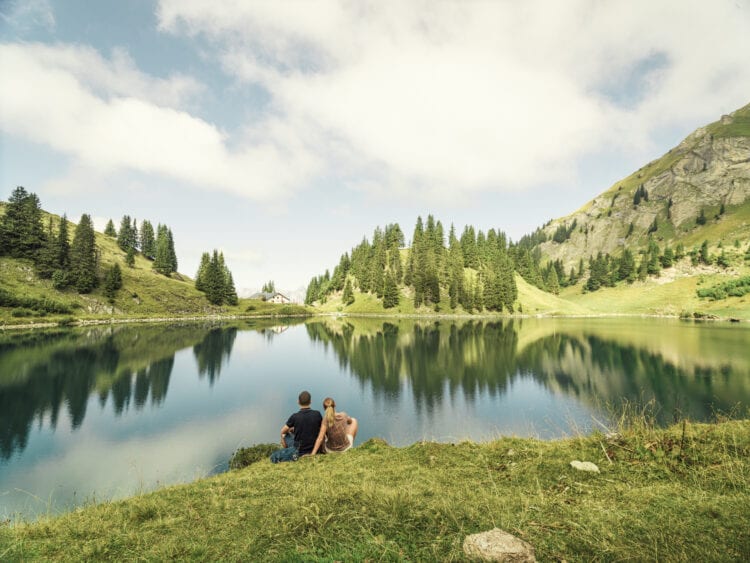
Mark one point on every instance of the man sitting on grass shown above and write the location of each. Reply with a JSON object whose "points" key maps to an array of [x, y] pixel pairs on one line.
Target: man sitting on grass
{"points": [[299, 433]]}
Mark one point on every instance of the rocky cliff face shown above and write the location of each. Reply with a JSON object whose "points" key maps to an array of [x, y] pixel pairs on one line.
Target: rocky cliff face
{"points": [[708, 170]]}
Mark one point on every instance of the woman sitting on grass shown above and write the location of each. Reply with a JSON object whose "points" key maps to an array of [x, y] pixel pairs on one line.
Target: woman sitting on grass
{"points": [[338, 429]]}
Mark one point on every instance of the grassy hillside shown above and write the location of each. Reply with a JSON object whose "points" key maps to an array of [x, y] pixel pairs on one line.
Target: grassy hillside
{"points": [[145, 293], [679, 494]]}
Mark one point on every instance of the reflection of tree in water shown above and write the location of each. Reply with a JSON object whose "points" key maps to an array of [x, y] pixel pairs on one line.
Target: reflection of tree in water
{"points": [[472, 357], [42, 373], [211, 353], [482, 357], [603, 371]]}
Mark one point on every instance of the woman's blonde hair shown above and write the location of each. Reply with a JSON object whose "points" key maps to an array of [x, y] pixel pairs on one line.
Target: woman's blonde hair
{"points": [[330, 407]]}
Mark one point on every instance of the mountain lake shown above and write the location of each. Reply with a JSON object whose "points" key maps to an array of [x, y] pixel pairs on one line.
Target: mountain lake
{"points": [[104, 412]]}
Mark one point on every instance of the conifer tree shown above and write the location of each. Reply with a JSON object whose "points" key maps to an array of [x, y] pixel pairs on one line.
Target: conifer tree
{"points": [[109, 230], [148, 243], [390, 292], [701, 220], [667, 259], [269, 287], [21, 229], [112, 282], [162, 256], [705, 256], [130, 257], [126, 237], [626, 267], [200, 276], [172, 255], [230, 292], [83, 256], [643, 267], [63, 245], [553, 284], [46, 260], [214, 281], [348, 295]]}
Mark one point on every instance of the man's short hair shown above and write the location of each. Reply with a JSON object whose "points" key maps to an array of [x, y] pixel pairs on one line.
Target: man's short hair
{"points": [[304, 398]]}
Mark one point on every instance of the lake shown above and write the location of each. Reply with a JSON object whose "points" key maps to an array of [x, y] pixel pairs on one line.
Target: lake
{"points": [[104, 412]]}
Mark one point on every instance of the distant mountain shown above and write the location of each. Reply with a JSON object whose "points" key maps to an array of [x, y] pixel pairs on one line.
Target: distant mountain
{"points": [[699, 190]]}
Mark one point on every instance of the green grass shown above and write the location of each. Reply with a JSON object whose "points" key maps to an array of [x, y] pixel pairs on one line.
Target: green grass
{"points": [[680, 494], [740, 126]]}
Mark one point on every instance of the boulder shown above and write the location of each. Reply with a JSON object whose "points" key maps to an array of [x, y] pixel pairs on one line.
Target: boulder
{"points": [[498, 545]]}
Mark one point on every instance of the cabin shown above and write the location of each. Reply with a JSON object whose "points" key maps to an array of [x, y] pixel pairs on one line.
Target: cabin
{"points": [[274, 297]]}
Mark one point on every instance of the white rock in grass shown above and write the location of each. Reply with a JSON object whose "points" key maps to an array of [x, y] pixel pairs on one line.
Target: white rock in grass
{"points": [[498, 545], [584, 466]]}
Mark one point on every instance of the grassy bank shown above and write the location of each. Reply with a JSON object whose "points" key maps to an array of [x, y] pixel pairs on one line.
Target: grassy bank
{"points": [[680, 494]]}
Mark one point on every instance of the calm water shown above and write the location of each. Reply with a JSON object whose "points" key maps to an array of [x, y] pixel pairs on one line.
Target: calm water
{"points": [[105, 412]]}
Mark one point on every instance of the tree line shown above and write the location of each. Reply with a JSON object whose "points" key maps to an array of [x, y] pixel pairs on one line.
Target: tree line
{"points": [[474, 270], [24, 234]]}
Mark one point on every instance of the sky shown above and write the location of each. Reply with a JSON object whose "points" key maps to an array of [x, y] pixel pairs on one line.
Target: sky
{"points": [[282, 132]]}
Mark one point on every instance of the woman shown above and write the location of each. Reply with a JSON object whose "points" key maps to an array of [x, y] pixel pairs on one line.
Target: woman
{"points": [[338, 429]]}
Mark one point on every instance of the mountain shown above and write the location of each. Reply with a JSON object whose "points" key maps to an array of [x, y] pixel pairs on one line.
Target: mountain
{"points": [[670, 239], [708, 173]]}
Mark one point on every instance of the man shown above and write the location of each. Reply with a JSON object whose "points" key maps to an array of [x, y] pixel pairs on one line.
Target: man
{"points": [[305, 425]]}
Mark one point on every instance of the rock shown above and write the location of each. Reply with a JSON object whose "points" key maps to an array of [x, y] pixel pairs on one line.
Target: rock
{"points": [[727, 120], [498, 545], [584, 466]]}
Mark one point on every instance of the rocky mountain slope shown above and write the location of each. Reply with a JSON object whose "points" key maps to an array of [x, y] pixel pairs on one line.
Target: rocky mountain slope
{"points": [[707, 174]]}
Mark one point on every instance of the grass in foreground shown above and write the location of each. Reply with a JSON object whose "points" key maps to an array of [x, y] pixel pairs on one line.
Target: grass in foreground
{"points": [[681, 494]]}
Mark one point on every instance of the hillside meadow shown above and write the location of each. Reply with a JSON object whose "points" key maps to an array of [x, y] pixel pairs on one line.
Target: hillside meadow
{"points": [[677, 494]]}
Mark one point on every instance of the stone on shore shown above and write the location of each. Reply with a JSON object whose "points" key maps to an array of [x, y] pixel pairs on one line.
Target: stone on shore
{"points": [[498, 545], [584, 466]]}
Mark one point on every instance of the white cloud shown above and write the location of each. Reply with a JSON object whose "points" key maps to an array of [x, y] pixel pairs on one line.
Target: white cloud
{"points": [[452, 98], [108, 116]]}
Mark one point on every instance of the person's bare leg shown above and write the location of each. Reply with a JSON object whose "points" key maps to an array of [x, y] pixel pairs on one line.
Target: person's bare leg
{"points": [[352, 427]]}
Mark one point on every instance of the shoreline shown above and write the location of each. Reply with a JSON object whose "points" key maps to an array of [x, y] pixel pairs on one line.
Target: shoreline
{"points": [[434, 316]]}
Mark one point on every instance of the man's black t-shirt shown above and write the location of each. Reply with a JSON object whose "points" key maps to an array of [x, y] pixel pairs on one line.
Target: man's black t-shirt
{"points": [[306, 424]]}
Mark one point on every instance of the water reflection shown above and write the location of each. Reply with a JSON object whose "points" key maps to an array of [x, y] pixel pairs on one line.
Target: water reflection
{"points": [[45, 372], [601, 368]]}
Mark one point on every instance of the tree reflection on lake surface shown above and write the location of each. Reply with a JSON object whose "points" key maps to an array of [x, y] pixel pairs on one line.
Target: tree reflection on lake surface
{"points": [[108, 410]]}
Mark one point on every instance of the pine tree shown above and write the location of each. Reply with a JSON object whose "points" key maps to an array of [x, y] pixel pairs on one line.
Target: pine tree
{"points": [[46, 260], [643, 267], [552, 281], [148, 243], [172, 255], [112, 282], [130, 257], [214, 281], [109, 230], [348, 295], [667, 259], [626, 266], [63, 245], [269, 287], [701, 220], [390, 292], [705, 256], [161, 256], [126, 238], [230, 292], [200, 276], [83, 256], [21, 229]]}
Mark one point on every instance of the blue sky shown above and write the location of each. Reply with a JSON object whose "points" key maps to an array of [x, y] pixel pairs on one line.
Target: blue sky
{"points": [[282, 132]]}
